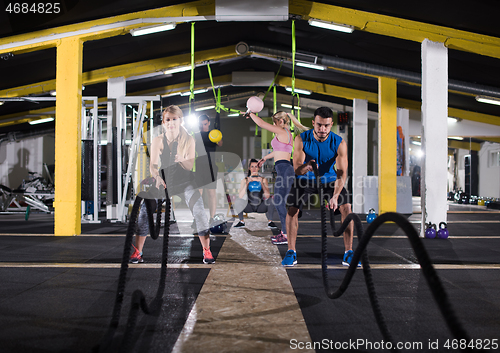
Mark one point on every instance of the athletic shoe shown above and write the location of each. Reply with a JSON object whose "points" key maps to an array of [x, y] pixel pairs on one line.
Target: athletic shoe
{"points": [[290, 259], [348, 257], [207, 256], [240, 224], [136, 257], [271, 225], [279, 239]]}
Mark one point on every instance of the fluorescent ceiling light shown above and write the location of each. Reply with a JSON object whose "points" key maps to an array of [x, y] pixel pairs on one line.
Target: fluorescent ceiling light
{"points": [[489, 100], [289, 106], [298, 90], [40, 121], [203, 90], [177, 69], [332, 26], [205, 108], [455, 138], [152, 29], [418, 143], [53, 93], [233, 114], [310, 66]]}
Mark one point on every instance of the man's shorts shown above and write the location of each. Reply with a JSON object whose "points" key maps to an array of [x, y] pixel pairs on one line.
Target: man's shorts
{"points": [[302, 189]]}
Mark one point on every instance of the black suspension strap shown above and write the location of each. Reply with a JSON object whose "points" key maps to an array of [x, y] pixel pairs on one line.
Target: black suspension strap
{"points": [[364, 238]]}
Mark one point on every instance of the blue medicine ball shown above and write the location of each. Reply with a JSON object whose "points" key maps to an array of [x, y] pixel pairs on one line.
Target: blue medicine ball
{"points": [[219, 228], [218, 225], [254, 186]]}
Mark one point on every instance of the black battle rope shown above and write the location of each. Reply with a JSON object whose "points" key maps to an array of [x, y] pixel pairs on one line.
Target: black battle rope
{"points": [[364, 238], [138, 298]]}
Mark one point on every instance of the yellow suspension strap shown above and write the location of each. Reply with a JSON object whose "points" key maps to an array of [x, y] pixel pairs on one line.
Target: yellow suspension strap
{"points": [[191, 83], [217, 96], [294, 49], [275, 104]]}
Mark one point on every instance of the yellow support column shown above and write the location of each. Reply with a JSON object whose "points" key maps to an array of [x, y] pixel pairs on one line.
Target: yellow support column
{"points": [[387, 125], [68, 160]]}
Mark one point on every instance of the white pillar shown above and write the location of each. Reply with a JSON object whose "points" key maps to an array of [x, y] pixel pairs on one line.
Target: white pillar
{"points": [[434, 133], [116, 90], [359, 152], [404, 122]]}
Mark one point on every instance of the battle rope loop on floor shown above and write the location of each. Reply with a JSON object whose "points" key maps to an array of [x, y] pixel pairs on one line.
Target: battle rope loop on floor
{"points": [[138, 298], [364, 238]]}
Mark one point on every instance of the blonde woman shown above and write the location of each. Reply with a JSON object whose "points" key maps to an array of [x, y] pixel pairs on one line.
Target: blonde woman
{"points": [[282, 144], [172, 157]]}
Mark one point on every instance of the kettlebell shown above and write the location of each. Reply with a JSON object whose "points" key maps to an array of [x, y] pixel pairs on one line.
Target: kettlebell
{"points": [[430, 231], [215, 135], [370, 217], [442, 233]]}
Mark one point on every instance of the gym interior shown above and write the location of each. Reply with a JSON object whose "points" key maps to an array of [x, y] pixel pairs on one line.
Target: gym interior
{"points": [[414, 96]]}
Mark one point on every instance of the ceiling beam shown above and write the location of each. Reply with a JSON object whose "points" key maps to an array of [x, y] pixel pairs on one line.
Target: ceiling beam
{"points": [[127, 70], [326, 89], [205, 9], [398, 27], [224, 80], [473, 146], [283, 81], [488, 138], [107, 27], [26, 116], [349, 93]]}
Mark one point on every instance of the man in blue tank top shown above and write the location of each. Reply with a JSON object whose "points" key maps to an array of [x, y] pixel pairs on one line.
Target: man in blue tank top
{"points": [[326, 149]]}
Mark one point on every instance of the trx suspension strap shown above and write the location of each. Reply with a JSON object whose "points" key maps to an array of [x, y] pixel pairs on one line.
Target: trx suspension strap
{"points": [[217, 97], [217, 111], [274, 100], [294, 49], [191, 83], [218, 107]]}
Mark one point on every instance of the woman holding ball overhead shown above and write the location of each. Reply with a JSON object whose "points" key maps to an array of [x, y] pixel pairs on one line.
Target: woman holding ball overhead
{"points": [[282, 144]]}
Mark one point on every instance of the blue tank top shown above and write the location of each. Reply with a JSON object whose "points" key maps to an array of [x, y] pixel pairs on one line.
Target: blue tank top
{"points": [[324, 153]]}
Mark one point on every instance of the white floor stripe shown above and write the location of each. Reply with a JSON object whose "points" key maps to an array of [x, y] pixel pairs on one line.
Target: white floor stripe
{"points": [[413, 221], [404, 236], [410, 266], [95, 265], [184, 235], [404, 267], [187, 330]]}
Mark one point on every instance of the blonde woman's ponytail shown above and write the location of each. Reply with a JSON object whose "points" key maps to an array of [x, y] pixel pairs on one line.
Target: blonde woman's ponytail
{"points": [[297, 124]]}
